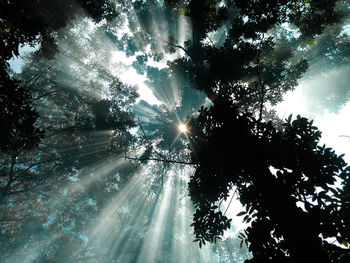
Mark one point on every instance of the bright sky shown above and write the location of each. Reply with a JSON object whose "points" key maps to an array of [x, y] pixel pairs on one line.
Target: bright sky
{"points": [[16, 63], [333, 126], [129, 76]]}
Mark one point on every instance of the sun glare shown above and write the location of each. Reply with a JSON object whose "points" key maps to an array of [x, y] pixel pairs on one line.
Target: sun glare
{"points": [[182, 128]]}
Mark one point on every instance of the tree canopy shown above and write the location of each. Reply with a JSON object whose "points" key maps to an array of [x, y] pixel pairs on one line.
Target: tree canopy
{"points": [[92, 172], [283, 177]]}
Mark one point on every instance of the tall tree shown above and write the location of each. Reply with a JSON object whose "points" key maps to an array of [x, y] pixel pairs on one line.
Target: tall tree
{"points": [[85, 135], [284, 179]]}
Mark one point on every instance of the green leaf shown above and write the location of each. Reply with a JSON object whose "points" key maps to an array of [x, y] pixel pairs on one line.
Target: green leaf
{"points": [[345, 243], [241, 213], [311, 41]]}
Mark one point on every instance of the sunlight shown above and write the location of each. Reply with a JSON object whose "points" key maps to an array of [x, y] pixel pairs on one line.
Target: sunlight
{"points": [[133, 221], [96, 171], [150, 250], [183, 128]]}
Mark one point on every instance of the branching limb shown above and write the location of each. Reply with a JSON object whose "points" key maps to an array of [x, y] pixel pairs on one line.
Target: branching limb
{"points": [[45, 94], [234, 193], [262, 88], [159, 160], [149, 142], [10, 179], [261, 83], [180, 47], [33, 165]]}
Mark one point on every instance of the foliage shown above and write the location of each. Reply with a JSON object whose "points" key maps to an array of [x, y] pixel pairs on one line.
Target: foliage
{"points": [[26, 21], [17, 117], [55, 188], [48, 190], [284, 179], [287, 164], [33, 23]]}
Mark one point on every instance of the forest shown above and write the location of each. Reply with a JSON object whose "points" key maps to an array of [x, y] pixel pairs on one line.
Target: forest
{"points": [[150, 131]]}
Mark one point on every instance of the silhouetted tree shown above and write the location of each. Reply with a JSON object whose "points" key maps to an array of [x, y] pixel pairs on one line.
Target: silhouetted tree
{"points": [[84, 133], [283, 178], [54, 188]]}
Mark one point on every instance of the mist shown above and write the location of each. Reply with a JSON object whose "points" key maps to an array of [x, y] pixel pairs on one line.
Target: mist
{"points": [[108, 182]]}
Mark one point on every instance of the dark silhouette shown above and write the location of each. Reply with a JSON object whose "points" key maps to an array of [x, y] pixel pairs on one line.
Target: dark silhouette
{"points": [[67, 124], [283, 178]]}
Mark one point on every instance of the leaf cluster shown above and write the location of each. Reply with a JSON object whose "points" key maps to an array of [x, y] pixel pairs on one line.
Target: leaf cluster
{"points": [[284, 179]]}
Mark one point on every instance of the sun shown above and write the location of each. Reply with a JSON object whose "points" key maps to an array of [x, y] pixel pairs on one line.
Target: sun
{"points": [[182, 128]]}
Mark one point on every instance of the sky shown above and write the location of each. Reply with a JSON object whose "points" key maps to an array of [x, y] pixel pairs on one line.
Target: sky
{"points": [[334, 126]]}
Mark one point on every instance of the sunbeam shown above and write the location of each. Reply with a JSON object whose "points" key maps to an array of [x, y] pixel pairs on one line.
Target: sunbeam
{"points": [[154, 235], [149, 132], [105, 90]]}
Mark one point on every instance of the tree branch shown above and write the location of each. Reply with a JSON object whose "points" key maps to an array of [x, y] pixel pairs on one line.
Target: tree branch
{"points": [[234, 193], [149, 142], [261, 83], [262, 87], [10, 181], [45, 94], [33, 165], [159, 160], [162, 157]]}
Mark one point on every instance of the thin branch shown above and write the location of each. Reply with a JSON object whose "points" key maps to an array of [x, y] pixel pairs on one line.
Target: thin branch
{"points": [[261, 83], [10, 181], [159, 160], [37, 76], [32, 189], [230, 201], [181, 47], [27, 190], [33, 165], [46, 94], [13, 162], [221, 203], [178, 46], [262, 88], [149, 142], [211, 41]]}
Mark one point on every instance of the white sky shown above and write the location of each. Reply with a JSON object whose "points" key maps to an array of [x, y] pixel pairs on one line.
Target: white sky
{"points": [[332, 125], [16, 63], [129, 76]]}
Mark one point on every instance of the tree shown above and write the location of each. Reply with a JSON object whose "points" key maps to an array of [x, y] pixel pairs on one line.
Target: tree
{"points": [[24, 22], [328, 54], [18, 118], [33, 23], [67, 195], [276, 175], [284, 179], [96, 132]]}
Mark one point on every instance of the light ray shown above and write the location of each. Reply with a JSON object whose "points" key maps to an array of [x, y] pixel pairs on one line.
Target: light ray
{"points": [[154, 237], [133, 213]]}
